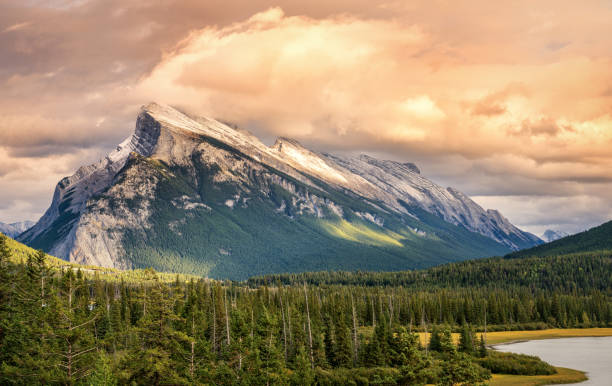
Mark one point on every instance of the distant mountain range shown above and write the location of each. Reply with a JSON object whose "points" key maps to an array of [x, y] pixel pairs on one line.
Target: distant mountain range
{"points": [[190, 194], [551, 235], [595, 239], [15, 229]]}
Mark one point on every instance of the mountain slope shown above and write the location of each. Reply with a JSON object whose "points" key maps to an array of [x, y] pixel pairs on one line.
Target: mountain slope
{"points": [[403, 182], [16, 228], [552, 235], [595, 239], [190, 194]]}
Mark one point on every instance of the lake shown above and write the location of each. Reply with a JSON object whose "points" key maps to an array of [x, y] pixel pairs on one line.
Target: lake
{"points": [[591, 355]]}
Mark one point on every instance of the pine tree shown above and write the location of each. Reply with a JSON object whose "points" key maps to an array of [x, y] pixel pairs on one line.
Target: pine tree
{"points": [[343, 353], [102, 374], [482, 348], [328, 341], [446, 341], [71, 329], [434, 339], [303, 374], [466, 340], [409, 358], [154, 360], [27, 344], [5, 255]]}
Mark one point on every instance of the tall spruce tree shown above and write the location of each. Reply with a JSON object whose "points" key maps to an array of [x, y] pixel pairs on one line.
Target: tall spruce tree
{"points": [[159, 356], [466, 340]]}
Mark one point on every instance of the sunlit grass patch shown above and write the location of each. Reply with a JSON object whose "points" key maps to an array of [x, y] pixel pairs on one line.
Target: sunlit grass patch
{"points": [[498, 337], [361, 233], [563, 376]]}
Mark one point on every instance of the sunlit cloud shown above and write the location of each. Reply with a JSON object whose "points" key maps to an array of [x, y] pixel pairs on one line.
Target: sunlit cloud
{"points": [[498, 100]]}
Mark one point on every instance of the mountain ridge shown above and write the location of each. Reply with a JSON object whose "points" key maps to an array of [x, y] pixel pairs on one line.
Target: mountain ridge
{"points": [[16, 228], [596, 239], [207, 173], [551, 235]]}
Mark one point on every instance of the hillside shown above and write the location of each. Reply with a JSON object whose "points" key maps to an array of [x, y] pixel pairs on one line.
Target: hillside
{"points": [[20, 253], [574, 273], [595, 239], [190, 194]]}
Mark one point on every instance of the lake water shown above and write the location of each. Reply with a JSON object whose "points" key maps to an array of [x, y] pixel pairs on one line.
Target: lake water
{"points": [[591, 355]]}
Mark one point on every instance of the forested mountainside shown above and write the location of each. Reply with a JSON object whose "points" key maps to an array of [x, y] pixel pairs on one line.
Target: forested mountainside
{"points": [[73, 326], [574, 273], [190, 194], [20, 253], [595, 239]]}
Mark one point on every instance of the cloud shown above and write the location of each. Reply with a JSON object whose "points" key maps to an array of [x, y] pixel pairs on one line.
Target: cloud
{"points": [[17, 26], [539, 213], [497, 99], [542, 126]]}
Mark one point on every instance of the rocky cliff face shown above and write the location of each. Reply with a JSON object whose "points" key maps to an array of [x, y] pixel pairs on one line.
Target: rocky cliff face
{"points": [[182, 189], [399, 184]]}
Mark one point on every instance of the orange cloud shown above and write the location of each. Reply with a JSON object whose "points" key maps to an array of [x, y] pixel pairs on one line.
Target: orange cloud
{"points": [[515, 94], [373, 80]]}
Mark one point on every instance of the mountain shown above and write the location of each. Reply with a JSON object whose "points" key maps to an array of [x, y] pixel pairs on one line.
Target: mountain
{"points": [[16, 228], [191, 194], [594, 240], [551, 235], [401, 185]]}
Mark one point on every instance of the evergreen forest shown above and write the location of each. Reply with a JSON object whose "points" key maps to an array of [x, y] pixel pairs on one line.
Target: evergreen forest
{"points": [[72, 326]]}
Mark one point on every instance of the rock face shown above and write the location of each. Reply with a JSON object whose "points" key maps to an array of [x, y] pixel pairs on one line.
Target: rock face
{"points": [[551, 235], [181, 189], [401, 183], [15, 229]]}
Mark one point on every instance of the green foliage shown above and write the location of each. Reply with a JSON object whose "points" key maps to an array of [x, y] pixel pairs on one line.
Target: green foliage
{"points": [[414, 366], [482, 347], [466, 340], [68, 326], [517, 364], [460, 369], [576, 273], [594, 240], [103, 374]]}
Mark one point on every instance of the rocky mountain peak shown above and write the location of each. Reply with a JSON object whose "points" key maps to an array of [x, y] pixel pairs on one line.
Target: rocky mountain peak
{"points": [[388, 164], [299, 157], [284, 141], [551, 235], [231, 170], [15, 229]]}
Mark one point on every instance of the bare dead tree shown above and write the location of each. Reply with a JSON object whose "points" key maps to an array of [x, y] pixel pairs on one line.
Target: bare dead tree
{"points": [[309, 328]]}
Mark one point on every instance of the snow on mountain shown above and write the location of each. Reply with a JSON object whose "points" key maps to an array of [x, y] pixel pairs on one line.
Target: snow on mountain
{"points": [[402, 182], [72, 226], [15, 229], [551, 235]]}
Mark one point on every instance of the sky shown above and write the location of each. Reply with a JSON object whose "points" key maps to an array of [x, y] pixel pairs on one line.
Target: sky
{"points": [[509, 102]]}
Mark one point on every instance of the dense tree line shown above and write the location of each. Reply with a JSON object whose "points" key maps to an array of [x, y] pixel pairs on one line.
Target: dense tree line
{"points": [[592, 240], [67, 327], [579, 273]]}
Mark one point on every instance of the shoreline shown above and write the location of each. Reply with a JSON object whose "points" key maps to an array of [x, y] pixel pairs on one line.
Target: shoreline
{"points": [[508, 337], [564, 375]]}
